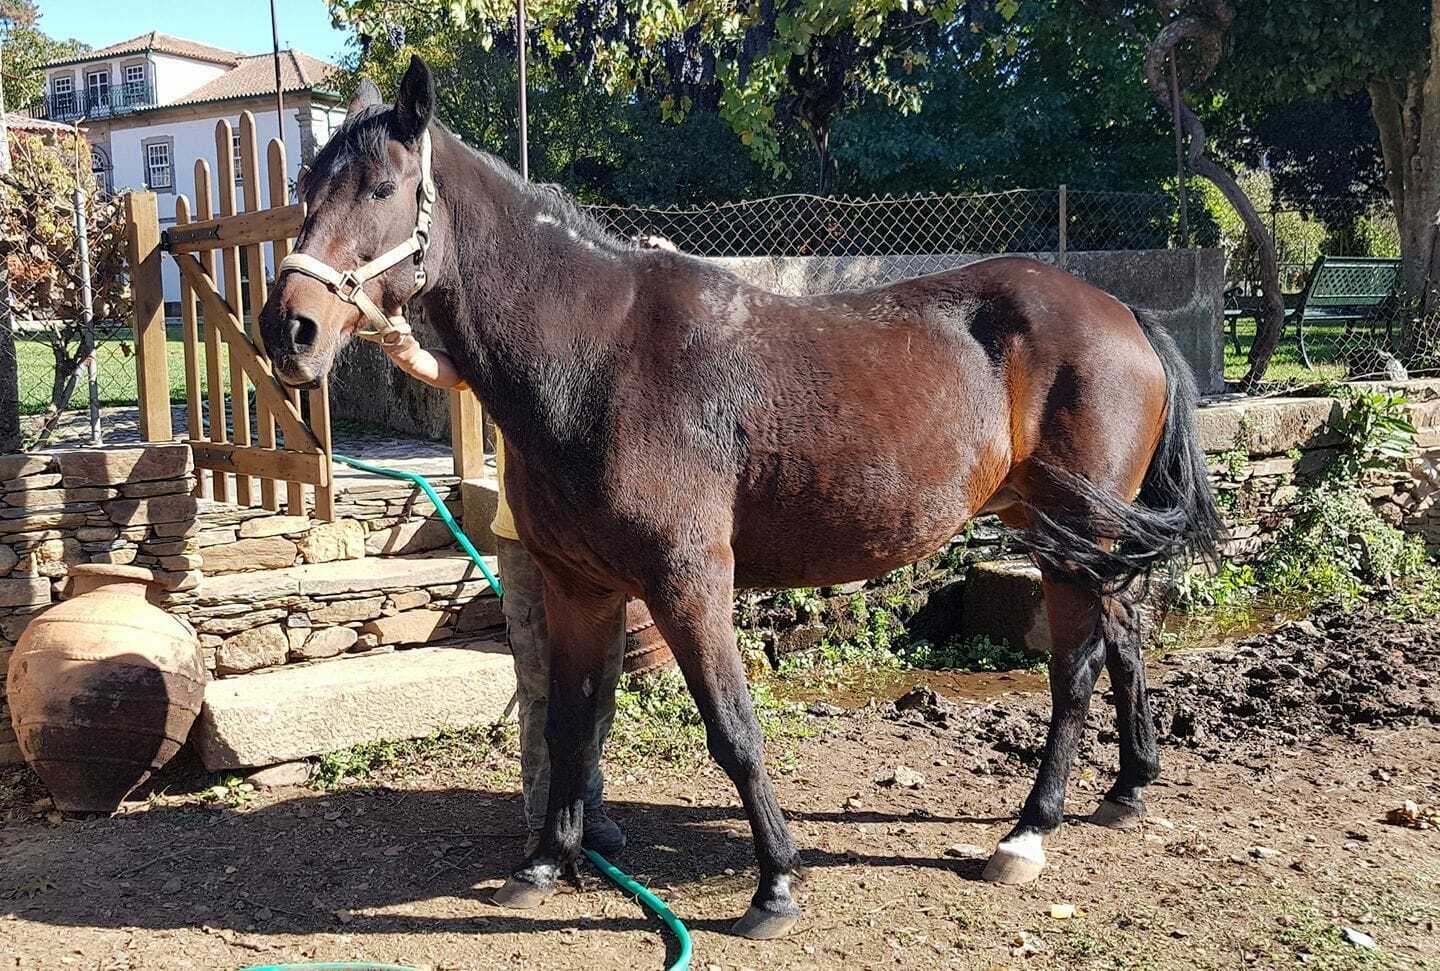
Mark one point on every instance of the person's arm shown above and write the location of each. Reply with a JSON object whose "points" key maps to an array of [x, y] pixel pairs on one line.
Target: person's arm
{"points": [[432, 367]]}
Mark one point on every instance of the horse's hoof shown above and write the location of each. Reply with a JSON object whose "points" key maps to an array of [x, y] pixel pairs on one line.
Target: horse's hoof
{"points": [[1017, 860], [518, 894], [1117, 815], [762, 925]]}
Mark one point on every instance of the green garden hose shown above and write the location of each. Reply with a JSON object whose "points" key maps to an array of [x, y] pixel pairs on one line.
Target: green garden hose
{"points": [[613, 873], [440, 508], [651, 903]]}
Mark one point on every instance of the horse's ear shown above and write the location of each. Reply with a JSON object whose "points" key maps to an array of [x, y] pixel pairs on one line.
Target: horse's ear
{"points": [[365, 96], [415, 103]]}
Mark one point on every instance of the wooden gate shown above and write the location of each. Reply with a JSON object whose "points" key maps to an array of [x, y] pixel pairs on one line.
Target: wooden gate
{"points": [[279, 443]]}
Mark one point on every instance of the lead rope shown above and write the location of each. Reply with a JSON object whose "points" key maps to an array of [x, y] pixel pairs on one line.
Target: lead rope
{"points": [[349, 285]]}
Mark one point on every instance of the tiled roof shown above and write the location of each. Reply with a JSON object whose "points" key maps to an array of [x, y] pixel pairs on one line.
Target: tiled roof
{"points": [[26, 123], [161, 43], [254, 75]]}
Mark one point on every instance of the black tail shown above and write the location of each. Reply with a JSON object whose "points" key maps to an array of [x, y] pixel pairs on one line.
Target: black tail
{"points": [[1173, 517]]}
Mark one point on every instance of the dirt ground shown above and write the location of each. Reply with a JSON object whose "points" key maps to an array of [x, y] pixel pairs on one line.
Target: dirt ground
{"points": [[1267, 845]]}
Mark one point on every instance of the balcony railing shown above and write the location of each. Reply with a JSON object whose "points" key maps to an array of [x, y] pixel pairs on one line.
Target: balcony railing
{"points": [[118, 100]]}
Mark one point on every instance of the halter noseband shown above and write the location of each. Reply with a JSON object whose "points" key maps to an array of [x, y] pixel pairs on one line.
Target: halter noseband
{"points": [[349, 286]]}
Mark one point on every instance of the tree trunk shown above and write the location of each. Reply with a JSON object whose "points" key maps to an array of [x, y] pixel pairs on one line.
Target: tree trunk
{"points": [[1407, 114], [1205, 29], [820, 141]]}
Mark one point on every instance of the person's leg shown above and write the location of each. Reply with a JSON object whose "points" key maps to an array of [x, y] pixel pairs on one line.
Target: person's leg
{"points": [[524, 608]]}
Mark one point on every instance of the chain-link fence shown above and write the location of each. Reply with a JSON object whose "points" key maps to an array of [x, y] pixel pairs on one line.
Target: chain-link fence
{"points": [[1017, 221], [65, 351]]}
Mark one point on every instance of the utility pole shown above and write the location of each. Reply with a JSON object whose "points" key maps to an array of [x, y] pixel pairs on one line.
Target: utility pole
{"points": [[279, 96], [9, 362], [524, 110]]}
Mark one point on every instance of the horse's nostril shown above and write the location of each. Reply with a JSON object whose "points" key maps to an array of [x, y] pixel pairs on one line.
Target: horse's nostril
{"points": [[302, 331]]}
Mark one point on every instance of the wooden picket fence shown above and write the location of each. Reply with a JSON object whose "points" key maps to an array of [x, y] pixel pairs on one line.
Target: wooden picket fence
{"points": [[279, 444]]}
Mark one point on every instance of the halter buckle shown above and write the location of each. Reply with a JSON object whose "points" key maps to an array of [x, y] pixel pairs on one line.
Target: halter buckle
{"points": [[347, 286]]}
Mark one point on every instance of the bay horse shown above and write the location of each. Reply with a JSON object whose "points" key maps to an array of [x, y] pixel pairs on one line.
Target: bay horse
{"points": [[674, 433]]}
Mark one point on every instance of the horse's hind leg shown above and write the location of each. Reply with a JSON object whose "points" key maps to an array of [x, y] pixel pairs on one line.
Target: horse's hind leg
{"points": [[1077, 654], [693, 611], [1124, 806]]}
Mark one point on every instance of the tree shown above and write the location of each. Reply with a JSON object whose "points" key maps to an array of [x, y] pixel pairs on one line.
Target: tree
{"points": [[604, 147], [1051, 96], [26, 49], [40, 246], [1288, 50], [760, 65]]}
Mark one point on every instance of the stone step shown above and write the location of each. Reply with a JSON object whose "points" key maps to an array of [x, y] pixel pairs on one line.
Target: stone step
{"points": [[370, 574], [293, 712]]}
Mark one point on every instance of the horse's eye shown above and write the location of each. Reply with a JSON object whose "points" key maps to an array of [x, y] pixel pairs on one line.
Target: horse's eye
{"points": [[384, 190]]}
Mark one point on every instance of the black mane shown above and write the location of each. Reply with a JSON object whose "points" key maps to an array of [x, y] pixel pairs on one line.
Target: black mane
{"points": [[364, 135]]}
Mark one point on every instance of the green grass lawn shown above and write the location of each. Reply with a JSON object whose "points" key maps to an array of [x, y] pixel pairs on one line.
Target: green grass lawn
{"points": [[115, 364], [1326, 342]]}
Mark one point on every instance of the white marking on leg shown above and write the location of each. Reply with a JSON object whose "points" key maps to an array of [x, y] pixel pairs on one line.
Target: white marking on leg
{"points": [[1030, 846]]}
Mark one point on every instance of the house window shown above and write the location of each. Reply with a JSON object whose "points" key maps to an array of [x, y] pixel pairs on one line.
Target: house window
{"points": [[62, 91], [236, 160], [135, 87], [158, 170], [100, 168], [97, 89]]}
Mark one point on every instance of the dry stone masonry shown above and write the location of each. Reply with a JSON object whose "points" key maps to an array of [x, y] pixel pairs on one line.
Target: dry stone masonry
{"points": [[58, 509]]}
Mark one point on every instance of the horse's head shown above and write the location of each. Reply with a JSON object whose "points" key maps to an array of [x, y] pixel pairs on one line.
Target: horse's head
{"points": [[365, 244]]}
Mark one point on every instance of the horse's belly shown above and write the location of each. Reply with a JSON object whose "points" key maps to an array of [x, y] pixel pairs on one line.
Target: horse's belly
{"points": [[820, 543]]}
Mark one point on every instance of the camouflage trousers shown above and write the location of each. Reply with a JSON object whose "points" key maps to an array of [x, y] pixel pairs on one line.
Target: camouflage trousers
{"points": [[524, 606]]}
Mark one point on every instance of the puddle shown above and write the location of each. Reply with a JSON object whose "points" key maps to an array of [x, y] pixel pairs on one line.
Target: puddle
{"points": [[886, 686], [1182, 635]]}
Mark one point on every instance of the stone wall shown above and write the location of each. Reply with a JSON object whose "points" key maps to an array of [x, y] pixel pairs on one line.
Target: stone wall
{"points": [[58, 509], [1182, 289], [1262, 450], [386, 517], [255, 620]]}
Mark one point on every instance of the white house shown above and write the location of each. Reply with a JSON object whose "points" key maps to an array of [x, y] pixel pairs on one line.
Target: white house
{"points": [[149, 106]]}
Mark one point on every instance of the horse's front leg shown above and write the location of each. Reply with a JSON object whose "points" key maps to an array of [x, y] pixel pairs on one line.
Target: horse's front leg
{"points": [[692, 607], [582, 624], [1077, 654]]}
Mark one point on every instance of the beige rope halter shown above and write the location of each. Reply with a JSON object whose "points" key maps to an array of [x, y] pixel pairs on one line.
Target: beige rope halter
{"points": [[349, 285]]}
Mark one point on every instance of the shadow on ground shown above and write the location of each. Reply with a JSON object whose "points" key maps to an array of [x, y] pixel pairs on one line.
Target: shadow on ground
{"points": [[355, 859]]}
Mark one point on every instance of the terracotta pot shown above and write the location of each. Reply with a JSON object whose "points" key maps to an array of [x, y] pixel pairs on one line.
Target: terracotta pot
{"points": [[645, 650], [103, 688]]}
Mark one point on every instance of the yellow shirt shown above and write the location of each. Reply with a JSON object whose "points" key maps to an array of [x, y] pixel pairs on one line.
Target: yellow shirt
{"points": [[503, 524]]}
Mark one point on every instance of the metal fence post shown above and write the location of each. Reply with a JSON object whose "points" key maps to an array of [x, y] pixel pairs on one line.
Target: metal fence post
{"points": [[87, 315], [1064, 221]]}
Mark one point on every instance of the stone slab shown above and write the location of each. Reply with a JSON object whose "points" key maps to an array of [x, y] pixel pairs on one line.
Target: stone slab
{"points": [[261, 553], [479, 500], [112, 466], [292, 713], [411, 537], [410, 627], [18, 464], [161, 509], [1003, 600], [273, 526], [362, 576], [24, 592]]}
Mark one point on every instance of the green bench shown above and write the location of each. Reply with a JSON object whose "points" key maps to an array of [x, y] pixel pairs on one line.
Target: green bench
{"points": [[1339, 290]]}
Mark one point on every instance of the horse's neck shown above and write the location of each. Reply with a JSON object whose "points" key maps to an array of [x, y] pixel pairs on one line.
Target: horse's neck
{"points": [[526, 309]]}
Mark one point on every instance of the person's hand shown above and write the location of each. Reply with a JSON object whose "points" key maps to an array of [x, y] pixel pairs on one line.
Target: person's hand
{"points": [[656, 242]]}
